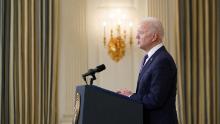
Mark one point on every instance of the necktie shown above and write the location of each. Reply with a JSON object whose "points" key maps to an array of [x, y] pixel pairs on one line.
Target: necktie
{"points": [[145, 58], [143, 62]]}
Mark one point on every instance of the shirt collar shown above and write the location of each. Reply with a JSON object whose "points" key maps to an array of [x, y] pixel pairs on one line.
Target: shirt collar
{"points": [[154, 49]]}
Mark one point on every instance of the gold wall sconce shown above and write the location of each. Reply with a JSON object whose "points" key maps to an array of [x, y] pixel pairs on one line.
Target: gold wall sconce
{"points": [[117, 34]]}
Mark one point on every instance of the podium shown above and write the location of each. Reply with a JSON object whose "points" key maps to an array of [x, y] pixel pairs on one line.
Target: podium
{"points": [[95, 105]]}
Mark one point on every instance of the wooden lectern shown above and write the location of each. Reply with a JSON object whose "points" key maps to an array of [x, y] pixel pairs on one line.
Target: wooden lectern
{"points": [[95, 105]]}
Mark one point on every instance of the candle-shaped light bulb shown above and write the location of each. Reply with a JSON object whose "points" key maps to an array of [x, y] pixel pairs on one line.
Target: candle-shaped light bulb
{"points": [[124, 34], [131, 33], [118, 28], [123, 27], [104, 33]]}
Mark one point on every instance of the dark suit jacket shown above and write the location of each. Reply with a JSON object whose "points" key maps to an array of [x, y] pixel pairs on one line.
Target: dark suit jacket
{"points": [[156, 89]]}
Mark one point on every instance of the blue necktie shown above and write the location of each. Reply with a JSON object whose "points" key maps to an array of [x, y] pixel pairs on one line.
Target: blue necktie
{"points": [[145, 58], [143, 62]]}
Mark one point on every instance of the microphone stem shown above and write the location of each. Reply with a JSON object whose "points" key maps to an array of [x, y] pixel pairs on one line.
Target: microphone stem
{"points": [[84, 78], [92, 79]]}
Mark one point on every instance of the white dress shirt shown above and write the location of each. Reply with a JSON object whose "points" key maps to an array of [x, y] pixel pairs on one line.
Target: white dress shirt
{"points": [[153, 50]]}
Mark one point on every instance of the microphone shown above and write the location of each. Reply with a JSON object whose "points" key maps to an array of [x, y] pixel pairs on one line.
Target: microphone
{"points": [[93, 71]]}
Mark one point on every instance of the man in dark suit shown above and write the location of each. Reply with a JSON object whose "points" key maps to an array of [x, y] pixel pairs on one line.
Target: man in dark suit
{"points": [[156, 85]]}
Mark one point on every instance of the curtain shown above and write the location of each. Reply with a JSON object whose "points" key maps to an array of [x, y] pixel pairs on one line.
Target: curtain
{"points": [[198, 62], [28, 53]]}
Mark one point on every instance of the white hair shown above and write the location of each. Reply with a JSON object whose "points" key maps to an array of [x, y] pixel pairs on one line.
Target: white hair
{"points": [[155, 25]]}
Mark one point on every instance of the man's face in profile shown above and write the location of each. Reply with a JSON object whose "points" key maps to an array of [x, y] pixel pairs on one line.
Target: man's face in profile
{"points": [[144, 36]]}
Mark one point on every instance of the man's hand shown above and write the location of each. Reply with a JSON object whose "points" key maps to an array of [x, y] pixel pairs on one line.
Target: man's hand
{"points": [[124, 92]]}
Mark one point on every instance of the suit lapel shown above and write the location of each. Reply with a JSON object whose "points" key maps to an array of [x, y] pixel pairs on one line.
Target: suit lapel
{"points": [[145, 68], [147, 65]]}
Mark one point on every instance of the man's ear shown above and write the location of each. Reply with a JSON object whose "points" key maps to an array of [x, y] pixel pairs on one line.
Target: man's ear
{"points": [[155, 37]]}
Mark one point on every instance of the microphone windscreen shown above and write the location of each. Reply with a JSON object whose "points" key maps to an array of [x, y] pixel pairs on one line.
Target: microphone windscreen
{"points": [[100, 68]]}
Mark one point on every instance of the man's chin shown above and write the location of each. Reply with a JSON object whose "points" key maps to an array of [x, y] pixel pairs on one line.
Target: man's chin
{"points": [[139, 46], [142, 48]]}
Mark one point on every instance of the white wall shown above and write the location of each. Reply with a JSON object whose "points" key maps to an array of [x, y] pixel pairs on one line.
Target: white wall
{"points": [[72, 54], [118, 74], [81, 46]]}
